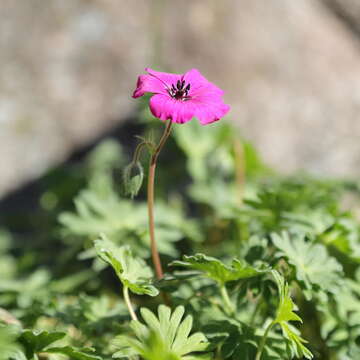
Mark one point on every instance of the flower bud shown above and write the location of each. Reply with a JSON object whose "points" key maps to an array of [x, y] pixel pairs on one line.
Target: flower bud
{"points": [[133, 177]]}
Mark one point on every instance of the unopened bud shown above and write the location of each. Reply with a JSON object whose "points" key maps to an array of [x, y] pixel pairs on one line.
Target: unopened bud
{"points": [[133, 178]]}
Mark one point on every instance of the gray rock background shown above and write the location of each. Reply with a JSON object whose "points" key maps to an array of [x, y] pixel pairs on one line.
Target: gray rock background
{"points": [[290, 69]]}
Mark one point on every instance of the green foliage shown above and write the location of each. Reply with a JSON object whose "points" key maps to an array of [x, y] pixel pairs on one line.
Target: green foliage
{"points": [[38, 342], [210, 152], [217, 270], [293, 204], [72, 353], [285, 313], [311, 262], [26, 290], [100, 210], [341, 314], [200, 148], [8, 343], [240, 224], [166, 335], [35, 342], [132, 272], [344, 236]]}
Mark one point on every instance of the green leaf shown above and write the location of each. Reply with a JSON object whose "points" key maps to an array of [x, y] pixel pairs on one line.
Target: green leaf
{"points": [[217, 270], [340, 318], [197, 143], [238, 341], [73, 353], [164, 334], [343, 236], [286, 306], [313, 266], [9, 346], [107, 155], [36, 286], [132, 272], [152, 348], [35, 341], [285, 313], [297, 347], [102, 211]]}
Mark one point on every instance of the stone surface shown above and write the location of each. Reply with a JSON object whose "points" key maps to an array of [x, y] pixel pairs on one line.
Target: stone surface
{"points": [[66, 71], [291, 71], [292, 74], [348, 11]]}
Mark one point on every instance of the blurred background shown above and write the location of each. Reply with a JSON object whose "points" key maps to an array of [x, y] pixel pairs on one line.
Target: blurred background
{"points": [[290, 70]]}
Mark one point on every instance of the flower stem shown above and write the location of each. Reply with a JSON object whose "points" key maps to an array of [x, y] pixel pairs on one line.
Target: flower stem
{"points": [[228, 304], [150, 200], [139, 148], [128, 303], [263, 341], [138, 152]]}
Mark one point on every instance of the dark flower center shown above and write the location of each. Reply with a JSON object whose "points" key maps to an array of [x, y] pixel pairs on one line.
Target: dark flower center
{"points": [[180, 91]]}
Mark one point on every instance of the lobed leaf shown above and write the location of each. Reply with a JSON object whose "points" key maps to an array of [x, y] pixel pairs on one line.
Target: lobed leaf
{"points": [[35, 341], [165, 334], [285, 313], [217, 270], [73, 353], [313, 266], [132, 272], [9, 346]]}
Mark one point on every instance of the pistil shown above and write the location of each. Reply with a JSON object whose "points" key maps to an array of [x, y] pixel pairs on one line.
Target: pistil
{"points": [[180, 91]]}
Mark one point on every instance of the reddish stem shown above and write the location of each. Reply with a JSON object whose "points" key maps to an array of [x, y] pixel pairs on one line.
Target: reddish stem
{"points": [[150, 201]]}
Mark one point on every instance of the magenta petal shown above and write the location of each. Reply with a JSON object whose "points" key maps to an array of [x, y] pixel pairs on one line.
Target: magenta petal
{"points": [[147, 83], [209, 112], [164, 107], [165, 78], [181, 97], [200, 85], [155, 82]]}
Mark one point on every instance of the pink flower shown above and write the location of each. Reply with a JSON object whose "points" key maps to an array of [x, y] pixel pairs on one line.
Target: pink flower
{"points": [[181, 97]]}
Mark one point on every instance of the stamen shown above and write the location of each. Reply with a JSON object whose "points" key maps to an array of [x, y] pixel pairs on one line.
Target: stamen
{"points": [[180, 91]]}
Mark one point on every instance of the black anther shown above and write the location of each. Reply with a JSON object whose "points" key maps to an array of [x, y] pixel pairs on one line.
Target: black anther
{"points": [[180, 91]]}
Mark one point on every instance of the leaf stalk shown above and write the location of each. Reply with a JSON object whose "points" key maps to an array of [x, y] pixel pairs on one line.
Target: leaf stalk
{"points": [[263, 340], [128, 303], [228, 304]]}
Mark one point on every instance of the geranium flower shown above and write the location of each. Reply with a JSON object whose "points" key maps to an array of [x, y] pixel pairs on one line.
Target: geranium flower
{"points": [[182, 97]]}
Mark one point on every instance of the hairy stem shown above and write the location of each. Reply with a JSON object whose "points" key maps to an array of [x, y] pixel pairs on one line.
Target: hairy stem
{"points": [[128, 303], [150, 200], [138, 152], [228, 304], [263, 341], [139, 149]]}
